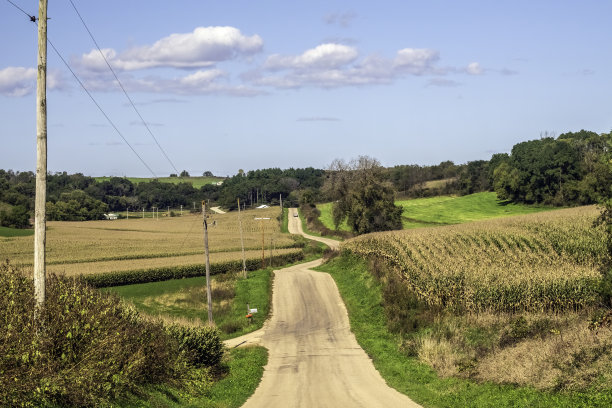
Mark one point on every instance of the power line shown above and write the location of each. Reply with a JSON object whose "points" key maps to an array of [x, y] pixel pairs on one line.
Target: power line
{"points": [[100, 108], [33, 19], [122, 87]]}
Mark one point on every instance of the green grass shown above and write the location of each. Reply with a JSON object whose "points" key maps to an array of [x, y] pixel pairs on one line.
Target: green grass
{"points": [[285, 224], [445, 210], [362, 295], [327, 219], [196, 182], [244, 369], [14, 232], [255, 290]]}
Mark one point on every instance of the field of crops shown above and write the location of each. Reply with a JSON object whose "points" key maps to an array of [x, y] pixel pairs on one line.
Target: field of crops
{"points": [[538, 262], [136, 243]]}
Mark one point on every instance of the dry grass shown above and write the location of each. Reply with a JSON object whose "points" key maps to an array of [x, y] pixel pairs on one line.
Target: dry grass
{"points": [[573, 358], [89, 241]]}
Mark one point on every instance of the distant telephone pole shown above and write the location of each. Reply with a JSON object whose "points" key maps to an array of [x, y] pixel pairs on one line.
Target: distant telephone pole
{"points": [[40, 224], [244, 272], [208, 292]]}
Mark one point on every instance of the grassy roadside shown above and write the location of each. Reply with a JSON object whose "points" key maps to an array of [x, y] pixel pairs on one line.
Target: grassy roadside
{"points": [[243, 370], [362, 296], [185, 300], [244, 366], [285, 223]]}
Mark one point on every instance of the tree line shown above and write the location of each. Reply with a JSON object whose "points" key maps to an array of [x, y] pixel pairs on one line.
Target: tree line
{"points": [[571, 169]]}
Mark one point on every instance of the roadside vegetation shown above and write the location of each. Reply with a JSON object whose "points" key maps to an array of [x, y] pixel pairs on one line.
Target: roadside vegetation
{"points": [[514, 301], [365, 299], [88, 349]]}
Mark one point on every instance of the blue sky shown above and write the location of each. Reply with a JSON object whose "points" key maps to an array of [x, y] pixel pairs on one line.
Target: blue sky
{"points": [[254, 84]]}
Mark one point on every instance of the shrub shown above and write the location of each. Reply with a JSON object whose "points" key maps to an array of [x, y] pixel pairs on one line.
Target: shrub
{"points": [[88, 348], [201, 345]]}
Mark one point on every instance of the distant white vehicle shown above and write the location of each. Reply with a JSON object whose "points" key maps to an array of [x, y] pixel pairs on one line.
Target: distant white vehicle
{"points": [[263, 206], [111, 216], [296, 214]]}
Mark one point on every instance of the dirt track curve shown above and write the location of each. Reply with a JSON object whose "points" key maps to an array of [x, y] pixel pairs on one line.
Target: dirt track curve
{"points": [[314, 359]]}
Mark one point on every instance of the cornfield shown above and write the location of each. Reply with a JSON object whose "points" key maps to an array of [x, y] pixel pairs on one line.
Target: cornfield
{"points": [[539, 262], [101, 246]]}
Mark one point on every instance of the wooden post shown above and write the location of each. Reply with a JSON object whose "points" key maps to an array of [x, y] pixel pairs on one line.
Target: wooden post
{"points": [[208, 293], [40, 224], [244, 272], [263, 250]]}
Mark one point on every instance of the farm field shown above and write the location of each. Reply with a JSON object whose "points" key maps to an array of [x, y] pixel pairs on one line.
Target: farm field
{"points": [[74, 245], [538, 262], [15, 232], [507, 302], [196, 182]]}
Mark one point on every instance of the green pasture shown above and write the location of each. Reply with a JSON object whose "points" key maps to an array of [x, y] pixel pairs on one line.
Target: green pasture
{"points": [[446, 210], [13, 232], [327, 219], [196, 182]]}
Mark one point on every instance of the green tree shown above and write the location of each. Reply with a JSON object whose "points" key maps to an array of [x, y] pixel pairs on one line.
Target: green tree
{"points": [[605, 220], [362, 196], [17, 217]]}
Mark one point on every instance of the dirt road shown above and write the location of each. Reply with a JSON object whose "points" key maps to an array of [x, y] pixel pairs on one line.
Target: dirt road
{"points": [[314, 359], [295, 227]]}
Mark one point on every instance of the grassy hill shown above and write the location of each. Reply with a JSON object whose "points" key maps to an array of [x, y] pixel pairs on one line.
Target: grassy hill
{"points": [[446, 210], [196, 182]]}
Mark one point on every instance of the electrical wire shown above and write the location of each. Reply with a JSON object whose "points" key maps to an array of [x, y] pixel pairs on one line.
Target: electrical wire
{"points": [[99, 107], [33, 19], [122, 87]]}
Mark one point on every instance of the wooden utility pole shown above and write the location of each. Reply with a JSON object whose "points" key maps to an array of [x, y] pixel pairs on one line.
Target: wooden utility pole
{"points": [[208, 293], [40, 224], [244, 272], [263, 242]]}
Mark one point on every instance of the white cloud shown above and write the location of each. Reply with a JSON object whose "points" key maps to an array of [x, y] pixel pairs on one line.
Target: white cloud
{"points": [[324, 56], [416, 61], [211, 81], [201, 48], [17, 81], [474, 68], [21, 81], [333, 65]]}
